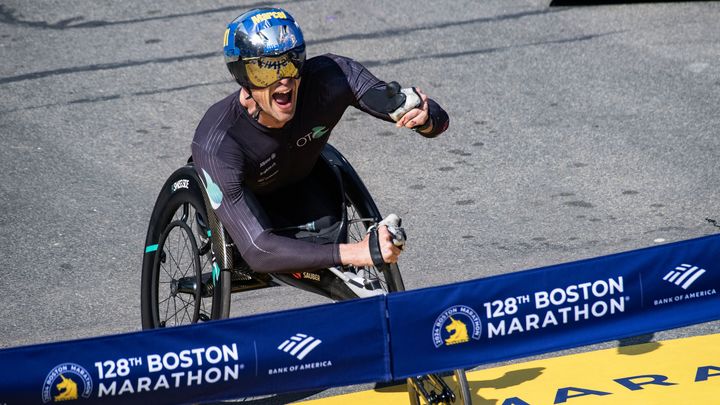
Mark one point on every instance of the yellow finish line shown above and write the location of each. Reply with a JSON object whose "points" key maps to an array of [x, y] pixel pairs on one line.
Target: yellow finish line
{"points": [[682, 371]]}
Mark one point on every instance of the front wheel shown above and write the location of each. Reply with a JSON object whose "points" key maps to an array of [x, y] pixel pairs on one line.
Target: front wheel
{"points": [[430, 389], [450, 388]]}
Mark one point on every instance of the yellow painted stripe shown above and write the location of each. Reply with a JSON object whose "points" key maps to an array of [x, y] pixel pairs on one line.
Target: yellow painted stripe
{"points": [[691, 365]]}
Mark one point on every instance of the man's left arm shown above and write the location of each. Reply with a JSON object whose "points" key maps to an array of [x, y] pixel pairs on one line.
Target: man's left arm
{"points": [[386, 100], [380, 99]]}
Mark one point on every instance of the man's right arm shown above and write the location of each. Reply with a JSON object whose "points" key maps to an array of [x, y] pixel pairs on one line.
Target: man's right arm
{"points": [[248, 225]]}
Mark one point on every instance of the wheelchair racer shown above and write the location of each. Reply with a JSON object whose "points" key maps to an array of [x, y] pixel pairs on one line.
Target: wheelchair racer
{"points": [[256, 150]]}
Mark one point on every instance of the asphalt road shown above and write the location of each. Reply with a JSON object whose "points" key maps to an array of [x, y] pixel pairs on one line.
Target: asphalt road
{"points": [[575, 132]]}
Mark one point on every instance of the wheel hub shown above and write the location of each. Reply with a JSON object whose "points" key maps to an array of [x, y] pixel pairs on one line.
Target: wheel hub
{"points": [[174, 287]]}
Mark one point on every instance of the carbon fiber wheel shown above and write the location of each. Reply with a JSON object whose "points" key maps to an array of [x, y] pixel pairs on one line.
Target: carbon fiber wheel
{"points": [[177, 277]]}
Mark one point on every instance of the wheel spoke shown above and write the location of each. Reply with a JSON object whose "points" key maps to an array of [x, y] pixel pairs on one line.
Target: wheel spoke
{"points": [[180, 297], [186, 248], [167, 307], [177, 311], [177, 266], [179, 250], [186, 312], [187, 304], [162, 266], [189, 250], [167, 314]]}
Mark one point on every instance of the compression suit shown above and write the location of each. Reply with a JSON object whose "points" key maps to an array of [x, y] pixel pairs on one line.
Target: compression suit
{"points": [[240, 160]]}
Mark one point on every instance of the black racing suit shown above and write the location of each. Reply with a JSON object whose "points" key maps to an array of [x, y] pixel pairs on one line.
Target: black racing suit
{"points": [[243, 164]]}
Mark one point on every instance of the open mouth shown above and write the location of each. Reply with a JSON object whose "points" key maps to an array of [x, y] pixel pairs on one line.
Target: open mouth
{"points": [[283, 98]]}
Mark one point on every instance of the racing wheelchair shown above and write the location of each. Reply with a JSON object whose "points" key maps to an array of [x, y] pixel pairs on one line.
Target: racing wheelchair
{"points": [[191, 266]]}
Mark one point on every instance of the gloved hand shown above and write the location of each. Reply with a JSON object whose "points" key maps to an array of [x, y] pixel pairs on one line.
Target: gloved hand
{"points": [[386, 240], [394, 225]]}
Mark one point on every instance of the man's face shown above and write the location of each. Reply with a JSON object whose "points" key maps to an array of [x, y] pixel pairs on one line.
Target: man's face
{"points": [[278, 101]]}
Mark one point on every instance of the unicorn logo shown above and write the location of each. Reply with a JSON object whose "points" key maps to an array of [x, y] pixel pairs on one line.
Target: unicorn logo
{"points": [[458, 332], [457, 324], [67, 382], [67, 389]]}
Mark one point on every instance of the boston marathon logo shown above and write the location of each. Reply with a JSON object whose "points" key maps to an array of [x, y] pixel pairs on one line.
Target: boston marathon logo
{"points": [[65, 382], [451, 327]]}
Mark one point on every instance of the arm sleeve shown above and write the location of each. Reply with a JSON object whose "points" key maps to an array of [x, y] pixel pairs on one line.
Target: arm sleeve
{"points": [[248, 225], [360, 80]]}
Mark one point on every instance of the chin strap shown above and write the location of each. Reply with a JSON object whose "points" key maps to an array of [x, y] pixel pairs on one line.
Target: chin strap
{"points": [[258, 109]]}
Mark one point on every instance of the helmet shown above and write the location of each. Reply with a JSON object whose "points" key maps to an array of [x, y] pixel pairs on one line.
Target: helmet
{"points": [[263, 46]]}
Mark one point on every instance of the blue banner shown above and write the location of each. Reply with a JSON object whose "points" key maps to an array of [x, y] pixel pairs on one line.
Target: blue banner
{"points": [[310, 348], [553, 308], [434, 329]]}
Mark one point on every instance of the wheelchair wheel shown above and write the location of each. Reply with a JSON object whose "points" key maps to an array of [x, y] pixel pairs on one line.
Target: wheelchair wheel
{"points": [[177, 278]]}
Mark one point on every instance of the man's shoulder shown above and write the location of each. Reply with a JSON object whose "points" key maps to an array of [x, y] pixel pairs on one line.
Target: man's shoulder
{"points": [[215, 125], [223, 106], [219, 117]]}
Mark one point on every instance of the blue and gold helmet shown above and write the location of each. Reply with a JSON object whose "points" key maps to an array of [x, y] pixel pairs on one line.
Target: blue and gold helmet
{"points": [[263, 46]]}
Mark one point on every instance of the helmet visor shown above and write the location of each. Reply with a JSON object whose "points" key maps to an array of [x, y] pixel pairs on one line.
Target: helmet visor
{"points": [[264, 71]]}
